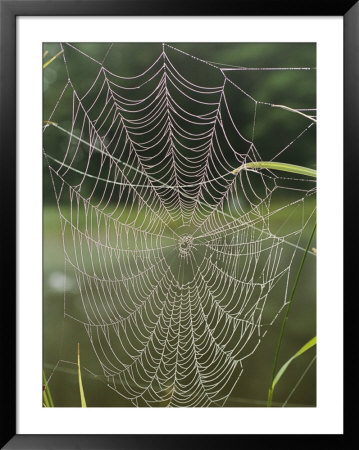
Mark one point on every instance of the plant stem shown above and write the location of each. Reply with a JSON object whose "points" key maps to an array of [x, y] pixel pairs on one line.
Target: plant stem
{"points": [[296, 111], [46, 393], [274, 165], [270, 392], [82, 394], [299, 381], [51, 60]]}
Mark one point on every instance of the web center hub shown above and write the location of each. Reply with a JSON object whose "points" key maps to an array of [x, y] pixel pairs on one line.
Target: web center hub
{"points": [[185, 245]]}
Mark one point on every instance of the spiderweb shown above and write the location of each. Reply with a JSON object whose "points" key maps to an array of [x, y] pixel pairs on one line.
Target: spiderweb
{"points": [[174, 256]]}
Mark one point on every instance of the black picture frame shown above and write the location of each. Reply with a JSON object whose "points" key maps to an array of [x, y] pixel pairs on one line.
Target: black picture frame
{"points": [[9, 10]]}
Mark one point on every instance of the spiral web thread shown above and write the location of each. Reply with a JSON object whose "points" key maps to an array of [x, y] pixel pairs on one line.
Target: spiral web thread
{"points": [[174, 256]]}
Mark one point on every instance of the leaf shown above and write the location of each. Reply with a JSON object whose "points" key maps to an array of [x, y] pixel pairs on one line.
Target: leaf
{"points": [[270, 391], [295, 111], [46, 403], [82, 394], [281, 371], [272, 165], [46, 393], [51, 60]]}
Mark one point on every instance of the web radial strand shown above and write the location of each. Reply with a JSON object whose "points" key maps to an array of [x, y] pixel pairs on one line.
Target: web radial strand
{"points": [[175, 258]]}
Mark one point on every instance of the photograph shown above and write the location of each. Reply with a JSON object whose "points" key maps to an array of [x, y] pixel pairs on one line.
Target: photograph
{"points": [[179, 224]]}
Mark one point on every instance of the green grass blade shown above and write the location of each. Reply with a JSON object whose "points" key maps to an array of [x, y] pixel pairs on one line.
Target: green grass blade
{"points": [[46, 393], [295, 111], [272, 165], [270, 391], [281, 371], [300, 380], [46, 400], [47, 63], [82, 394]]}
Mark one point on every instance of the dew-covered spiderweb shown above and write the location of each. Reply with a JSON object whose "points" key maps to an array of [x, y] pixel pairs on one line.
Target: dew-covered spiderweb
{"points": [[181, 266]]}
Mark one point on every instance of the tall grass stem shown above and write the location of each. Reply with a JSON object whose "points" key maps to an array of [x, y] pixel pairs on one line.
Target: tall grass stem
{"points": [[270, 392]]}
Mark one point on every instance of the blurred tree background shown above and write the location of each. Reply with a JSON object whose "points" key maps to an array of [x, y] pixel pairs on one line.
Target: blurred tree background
{"points": [[275, 128]]}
